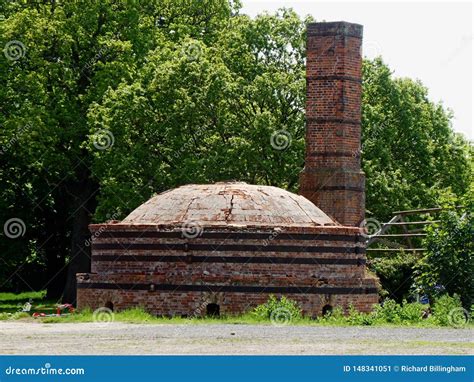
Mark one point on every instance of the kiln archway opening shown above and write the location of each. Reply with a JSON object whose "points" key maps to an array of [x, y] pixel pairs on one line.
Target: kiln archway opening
{"points": [[213, 310], [327, 310]]}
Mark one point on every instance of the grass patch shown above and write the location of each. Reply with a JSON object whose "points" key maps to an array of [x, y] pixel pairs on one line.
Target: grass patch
{"points": [[12, 304], [275, 311], [7, 297]]}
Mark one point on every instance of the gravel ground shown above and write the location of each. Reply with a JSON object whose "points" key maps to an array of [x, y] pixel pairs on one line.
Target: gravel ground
{"points": [[121, 338]]}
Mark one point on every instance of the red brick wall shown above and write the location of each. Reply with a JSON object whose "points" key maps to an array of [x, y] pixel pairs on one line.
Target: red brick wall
{"points": [[332, 178], [133, 277]]}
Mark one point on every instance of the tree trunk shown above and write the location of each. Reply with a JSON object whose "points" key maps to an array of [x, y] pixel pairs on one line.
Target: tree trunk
{"points": [[55, 272], [55, 246], [79, 261]]}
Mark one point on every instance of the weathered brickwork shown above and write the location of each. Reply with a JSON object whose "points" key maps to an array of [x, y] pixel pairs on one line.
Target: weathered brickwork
{"points": [[169, 274], [332, 178]]}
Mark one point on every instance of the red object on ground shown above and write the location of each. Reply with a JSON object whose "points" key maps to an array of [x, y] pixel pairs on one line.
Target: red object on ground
{"points": [[61, 307], [59, 310]]}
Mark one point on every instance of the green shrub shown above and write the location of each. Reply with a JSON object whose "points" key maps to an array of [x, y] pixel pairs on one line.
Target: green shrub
{"points": [[279, 311], [412, 312], [336, 316], [388, 312], [447, 310], [355, 317]]}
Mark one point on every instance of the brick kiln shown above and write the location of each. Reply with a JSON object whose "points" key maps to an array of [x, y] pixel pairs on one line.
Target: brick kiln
{"points": [[223, 248]]}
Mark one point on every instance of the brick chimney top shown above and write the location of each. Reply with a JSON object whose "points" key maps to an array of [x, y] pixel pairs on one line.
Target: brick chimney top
{"points": [[334, 28]]}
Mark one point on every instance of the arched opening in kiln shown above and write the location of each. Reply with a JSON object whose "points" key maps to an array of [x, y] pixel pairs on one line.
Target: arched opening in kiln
{"points": [[327, 310], [213, 310], [109, 305]]}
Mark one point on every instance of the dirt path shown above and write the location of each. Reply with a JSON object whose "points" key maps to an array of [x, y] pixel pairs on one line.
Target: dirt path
{"points": [[120, 338]]}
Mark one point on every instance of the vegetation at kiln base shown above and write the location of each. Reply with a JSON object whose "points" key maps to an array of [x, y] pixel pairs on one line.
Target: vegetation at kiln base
{"points": [[445, 312], [191, 92], [288, 309]]}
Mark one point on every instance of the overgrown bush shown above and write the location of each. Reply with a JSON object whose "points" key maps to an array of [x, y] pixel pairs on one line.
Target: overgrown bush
{"points": [[396, 275], [448, 264], [335, 316], [355, 317], [387, 313], [447, 310], [412, 312], [283, 310]]}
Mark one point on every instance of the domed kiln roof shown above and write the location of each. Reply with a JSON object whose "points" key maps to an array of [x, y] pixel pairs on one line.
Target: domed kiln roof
{"points": [[229, 204]]}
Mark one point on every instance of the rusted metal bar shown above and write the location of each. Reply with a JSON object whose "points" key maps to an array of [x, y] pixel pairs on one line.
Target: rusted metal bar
{"points": [[415, 223], [423, 211], [402, 235], [405, 230], [395, 249], [383, 229]]}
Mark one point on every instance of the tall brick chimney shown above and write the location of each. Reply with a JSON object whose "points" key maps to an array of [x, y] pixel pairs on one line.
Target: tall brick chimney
{"points": [[332, 178]]}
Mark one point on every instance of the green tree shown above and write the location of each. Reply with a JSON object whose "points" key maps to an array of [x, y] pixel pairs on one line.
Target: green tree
{"points": [[200, 113], [410, 153], [61, 58]]}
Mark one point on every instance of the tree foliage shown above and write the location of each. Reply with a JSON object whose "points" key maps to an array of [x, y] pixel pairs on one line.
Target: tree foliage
{"points": [[448, 265], [396, 275]]}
